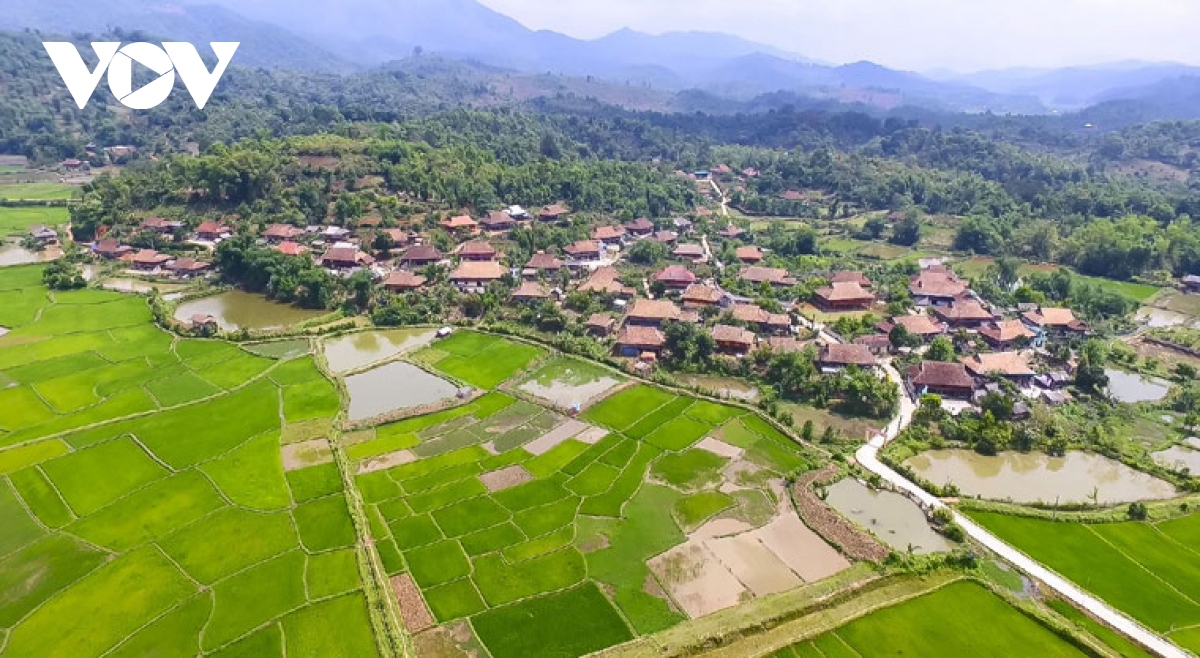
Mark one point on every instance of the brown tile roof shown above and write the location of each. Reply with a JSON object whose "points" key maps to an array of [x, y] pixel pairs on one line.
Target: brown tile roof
{"points": [[281, 231], [732, 231], [150, 257], [964, 310], [606, 280], [919, 325], [189, 265], [607, 233], [939, 374], [641, 337], [1006, 331], [786, 344], [724, 333], [641, 225], [1010, 364], [554, 210], [211, 227], [847, 355], [420, 254], [937, 282], [346, 256], [583, 248], [482, 270], [699, 293], [544, 261], [843, 276], [688, 251], [845, 291], [665, 237], [793, 195], [601, 321], [749, 254], [531, 290], [1051, 317], [772, 275], [675, 274], [497, 219], [404, 280], [461, 221], [110, 248], [476, 249], [654, 309]]}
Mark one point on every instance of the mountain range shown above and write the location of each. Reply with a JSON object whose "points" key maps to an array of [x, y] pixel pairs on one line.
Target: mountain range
{"points": [[356, 35]]}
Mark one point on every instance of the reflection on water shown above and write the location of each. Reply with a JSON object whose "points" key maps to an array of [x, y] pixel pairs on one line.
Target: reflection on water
{"points": [[236, 310], [1037, 477], [393, 387], [1161, 317], [1178, 456], [890, 516], [13, 254], [1132, 388], [358, 350]]}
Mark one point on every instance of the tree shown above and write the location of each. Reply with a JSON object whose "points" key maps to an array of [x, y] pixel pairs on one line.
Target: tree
{"points": [[941, 349], [1137, 512], [900, 336], [383, 242], [689, 344], [647, 252], [875, 227], [1090, 376], [907, 231], [63, 275]]}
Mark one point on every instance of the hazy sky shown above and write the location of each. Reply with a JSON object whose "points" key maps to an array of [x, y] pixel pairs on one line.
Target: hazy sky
{"points": [[916, 34]]}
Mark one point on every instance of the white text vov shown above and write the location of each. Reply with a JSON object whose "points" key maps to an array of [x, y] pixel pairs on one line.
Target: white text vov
{"points": [[118, 61]]}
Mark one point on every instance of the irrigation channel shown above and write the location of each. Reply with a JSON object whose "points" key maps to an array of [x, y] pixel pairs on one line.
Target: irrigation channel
{"points": [[868, 458]]}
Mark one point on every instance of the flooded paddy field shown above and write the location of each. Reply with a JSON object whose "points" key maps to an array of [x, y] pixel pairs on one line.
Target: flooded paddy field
{"points": [[356, 351], [890, 516], [568, 383], [1133, 388], [1079, 477], [393, 387], [235, 310]]}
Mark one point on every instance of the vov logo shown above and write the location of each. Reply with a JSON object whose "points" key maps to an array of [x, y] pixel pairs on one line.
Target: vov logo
{"points": [[118, 61]]}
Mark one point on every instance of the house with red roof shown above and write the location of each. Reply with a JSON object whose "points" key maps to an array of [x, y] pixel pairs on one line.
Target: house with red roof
{"points": [[675, 277]]}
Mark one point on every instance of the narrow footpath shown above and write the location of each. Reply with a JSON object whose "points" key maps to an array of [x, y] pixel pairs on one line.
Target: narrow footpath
{"points": [[868, 458]]}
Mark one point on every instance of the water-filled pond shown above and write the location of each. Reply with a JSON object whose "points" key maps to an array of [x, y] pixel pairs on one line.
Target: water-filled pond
{"points": [[1078, 477], [138, 286], [236, 310], [359, 350], [393, 387], [890, 516], [15, 254], [1181, 455], [1161, 317], [1133, 388]]}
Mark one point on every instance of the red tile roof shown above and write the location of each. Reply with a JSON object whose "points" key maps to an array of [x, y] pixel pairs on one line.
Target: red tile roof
{"points": [[583, 248], [724, 333], [845, 292], [937, 282], [531, 290], [939, 374], [749, 254], [641, 337], [847, 355], [485, 270], [291, 249], [1006, 331], [608, 233], [964, 310], [476, 249], [654, 309], [544, 261], [701, 294], [422, 253], [1009, 364], [403, 280], [843, 276], [774, 276], [675, 275], [919, 325]]}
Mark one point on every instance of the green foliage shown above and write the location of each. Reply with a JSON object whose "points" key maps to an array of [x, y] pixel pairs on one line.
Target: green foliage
{"points": [[570, 623]]}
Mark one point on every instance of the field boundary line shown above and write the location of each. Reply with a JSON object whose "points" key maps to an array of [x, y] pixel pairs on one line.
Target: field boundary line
{"points": [[1141, 566]]}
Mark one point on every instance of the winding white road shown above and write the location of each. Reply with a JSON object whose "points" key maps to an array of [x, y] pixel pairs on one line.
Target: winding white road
{"points": [[868, 457]]}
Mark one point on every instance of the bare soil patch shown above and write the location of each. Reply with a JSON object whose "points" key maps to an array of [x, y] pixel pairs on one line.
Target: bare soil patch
{"points": [[309, 453], [720, 448], [505, 478], [384, 462], [413, 611], [754, 564], [549, 440], [697, 580], [801, 549]]}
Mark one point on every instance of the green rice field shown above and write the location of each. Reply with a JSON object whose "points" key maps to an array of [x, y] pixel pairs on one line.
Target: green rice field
{"points": [[1149, 570], [961, 619], [16, 220], [37, 191], [143, 493]]}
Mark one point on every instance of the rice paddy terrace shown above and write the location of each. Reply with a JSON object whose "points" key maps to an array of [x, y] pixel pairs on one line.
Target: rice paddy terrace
{"points": [[180, 497]]}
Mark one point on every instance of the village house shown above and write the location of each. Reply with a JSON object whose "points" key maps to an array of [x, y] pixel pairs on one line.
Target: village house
{"points": [[610, 235], [542, 262], [277, 233], [1191, 283], [1054, 320], [690, 252], [964, 313], [160, 226], [43, 234], [793, 195], [640, 227], [498, 220], [786, 344], [638, 341], [665, 237], [149, 260], [750, 172], [334, 233], [474, 276], [1012, 366], [186, 268], [937, 286], [732, 232], [600, 325], [530, 292], [1004, 334], [675, 277], [850, 276], [843, 296], [949, 380], [732, 340], [346, 257], [210, 231], [518, 213], [721, 171], [291, 249], [1053, 381], [750, 255], [607, 281], [879, 344], [771, 275], [73, 165], [769, 323], [398, 236], [420, 256], [584, 251], [699, 295], [460, 224], [682, 225], [652, 312], [404, 281], [204, 323], [111, 249], [553, 213], [839, 356], [921, 326], [477, 251]]}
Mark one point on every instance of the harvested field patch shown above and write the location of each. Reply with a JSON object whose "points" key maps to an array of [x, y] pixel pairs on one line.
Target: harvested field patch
{"points": [[697, 580], [385, 462], [505, 478], [308, 453]]}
